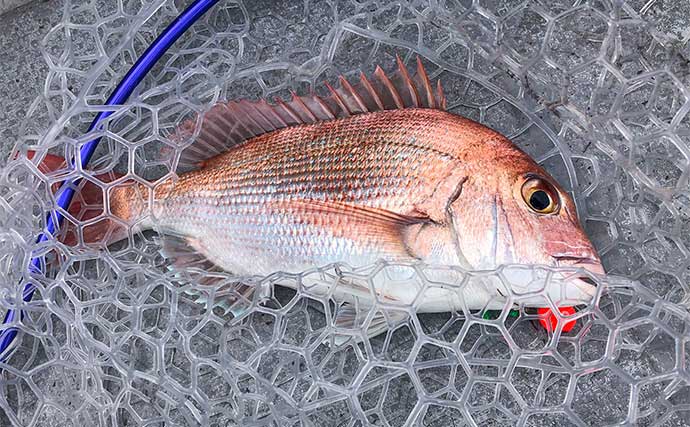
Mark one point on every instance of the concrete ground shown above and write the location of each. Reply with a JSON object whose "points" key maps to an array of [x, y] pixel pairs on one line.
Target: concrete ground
{"points": [[8, 5], [22, 68]]}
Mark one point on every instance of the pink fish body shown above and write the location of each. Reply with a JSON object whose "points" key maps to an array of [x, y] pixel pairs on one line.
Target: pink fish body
{"points": [[379, 171]]}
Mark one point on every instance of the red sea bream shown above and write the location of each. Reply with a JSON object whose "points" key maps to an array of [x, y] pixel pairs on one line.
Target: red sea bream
{"points": [[374, 171]]}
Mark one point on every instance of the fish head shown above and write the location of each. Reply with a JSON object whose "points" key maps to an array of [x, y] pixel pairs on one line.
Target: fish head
{"points": [[511, 211]]}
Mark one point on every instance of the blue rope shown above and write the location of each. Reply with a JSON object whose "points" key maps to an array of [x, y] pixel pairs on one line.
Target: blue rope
{"points": [[122, 92]]}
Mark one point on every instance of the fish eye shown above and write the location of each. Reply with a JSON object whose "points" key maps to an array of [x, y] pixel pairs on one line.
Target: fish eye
{"points": [[540, 196]]}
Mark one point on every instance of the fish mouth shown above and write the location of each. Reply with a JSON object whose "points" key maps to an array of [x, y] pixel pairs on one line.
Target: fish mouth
{"points": [[591, 264], [586, 285], [584, 282]]}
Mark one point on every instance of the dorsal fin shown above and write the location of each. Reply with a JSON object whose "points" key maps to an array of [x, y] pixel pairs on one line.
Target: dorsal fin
{"points": [[228, 124]]}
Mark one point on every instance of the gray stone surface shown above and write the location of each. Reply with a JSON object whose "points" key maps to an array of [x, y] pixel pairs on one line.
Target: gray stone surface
{"points": [[22, 67], [7, 5]]}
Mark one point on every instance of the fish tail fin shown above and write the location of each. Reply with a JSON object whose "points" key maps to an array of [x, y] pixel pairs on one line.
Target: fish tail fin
{"points": [[87, 222]]}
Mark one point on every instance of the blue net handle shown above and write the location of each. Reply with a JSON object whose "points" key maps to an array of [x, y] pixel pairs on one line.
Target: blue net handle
{"points": [[119, 96]]}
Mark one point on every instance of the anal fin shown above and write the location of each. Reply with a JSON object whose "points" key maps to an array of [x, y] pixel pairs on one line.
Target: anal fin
{"points": [[186, 261], [183, 252], [349, 318]]}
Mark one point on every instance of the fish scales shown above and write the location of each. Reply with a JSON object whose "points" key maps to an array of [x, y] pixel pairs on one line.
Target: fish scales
{"points": [[242, 202]]}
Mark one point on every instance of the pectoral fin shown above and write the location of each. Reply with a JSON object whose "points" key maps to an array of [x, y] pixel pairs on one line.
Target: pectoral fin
{"points": [[380, 233], [378, 216]]}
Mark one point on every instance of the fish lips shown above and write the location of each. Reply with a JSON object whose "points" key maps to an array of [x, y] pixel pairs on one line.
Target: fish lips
{"points": [[591, 264], [572, 283], [586, 282]]}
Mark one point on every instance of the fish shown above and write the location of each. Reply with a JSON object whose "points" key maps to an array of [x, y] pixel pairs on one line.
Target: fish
{"points": [[376, 170]]}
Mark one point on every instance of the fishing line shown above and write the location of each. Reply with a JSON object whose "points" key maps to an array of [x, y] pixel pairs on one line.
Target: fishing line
{"points": [[68, 188]]}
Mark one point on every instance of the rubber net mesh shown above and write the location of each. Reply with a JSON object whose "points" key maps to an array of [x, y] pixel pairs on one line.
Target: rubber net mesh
{"points": [[594, 91]]}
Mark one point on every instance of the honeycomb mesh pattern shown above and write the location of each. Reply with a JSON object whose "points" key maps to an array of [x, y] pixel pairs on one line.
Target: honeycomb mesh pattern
{"points": [[596, 91]]}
